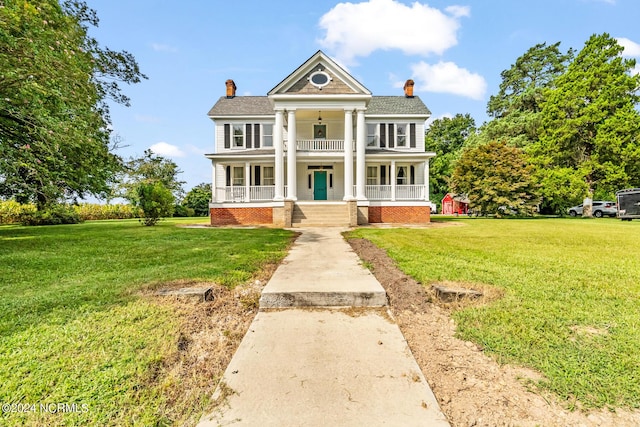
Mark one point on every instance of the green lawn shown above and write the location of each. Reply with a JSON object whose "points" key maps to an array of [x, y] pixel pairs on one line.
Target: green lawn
{"points": [[571, 308], [73, 329]]}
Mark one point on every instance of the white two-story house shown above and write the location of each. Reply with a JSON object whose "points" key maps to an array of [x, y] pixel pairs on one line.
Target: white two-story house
{"points": [[318, 149]]}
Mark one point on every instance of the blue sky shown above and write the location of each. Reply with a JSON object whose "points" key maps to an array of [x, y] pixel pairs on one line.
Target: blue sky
{"points": [[454, 50]]}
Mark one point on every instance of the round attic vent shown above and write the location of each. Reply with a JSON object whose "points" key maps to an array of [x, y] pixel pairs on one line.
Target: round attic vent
{"points": [[319, 79]]}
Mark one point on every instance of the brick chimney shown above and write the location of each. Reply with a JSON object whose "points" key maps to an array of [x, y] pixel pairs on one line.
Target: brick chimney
{"points": [[408, 88], [231, 88]]}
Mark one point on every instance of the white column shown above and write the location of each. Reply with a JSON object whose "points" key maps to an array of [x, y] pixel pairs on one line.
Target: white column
{"points": [[426, 179], [361, 171], [247, 181], [291, 157], [393, 180], [279, 160], [213, 182], [348, 155]]}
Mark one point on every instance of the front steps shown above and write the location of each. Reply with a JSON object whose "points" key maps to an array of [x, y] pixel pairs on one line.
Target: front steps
{"points": [[311, 214]]}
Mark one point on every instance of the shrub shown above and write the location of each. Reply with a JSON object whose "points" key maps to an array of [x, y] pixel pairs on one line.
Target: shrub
{"points": [[156, 201], [51, 215], [183, 211]]}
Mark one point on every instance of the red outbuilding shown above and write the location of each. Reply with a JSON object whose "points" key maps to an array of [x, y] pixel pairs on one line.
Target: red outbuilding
{"points": [[455, 205]]}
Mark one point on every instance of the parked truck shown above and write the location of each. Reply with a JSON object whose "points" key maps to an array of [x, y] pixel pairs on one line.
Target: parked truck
{"points": [[628, 204]]}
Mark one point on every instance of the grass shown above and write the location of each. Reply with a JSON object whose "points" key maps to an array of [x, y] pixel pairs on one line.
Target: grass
{"points": [[74, 328], [571, 308]]}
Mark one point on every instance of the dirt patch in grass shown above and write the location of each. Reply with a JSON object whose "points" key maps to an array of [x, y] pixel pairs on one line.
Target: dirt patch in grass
{"points": [[472, 389], [210, 333]]}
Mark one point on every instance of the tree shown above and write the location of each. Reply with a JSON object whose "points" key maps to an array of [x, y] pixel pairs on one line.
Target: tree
{"points": [[54, 85], [516, 107], [446, 137], [590, 127], [150, 169], [497, 179], [155, 200], [198, 199]]}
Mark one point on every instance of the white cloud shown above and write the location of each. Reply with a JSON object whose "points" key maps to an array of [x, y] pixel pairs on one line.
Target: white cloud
{"points": [[354, 30], [441, 116], [164, 149], [631, 48], [159, 47], [447, 77]]}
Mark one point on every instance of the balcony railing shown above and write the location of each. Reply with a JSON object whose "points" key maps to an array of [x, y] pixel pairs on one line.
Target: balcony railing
{"points": [[319, 145]]}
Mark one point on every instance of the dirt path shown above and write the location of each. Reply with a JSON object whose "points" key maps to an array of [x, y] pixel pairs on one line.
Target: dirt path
{"points": [[472, 389]]}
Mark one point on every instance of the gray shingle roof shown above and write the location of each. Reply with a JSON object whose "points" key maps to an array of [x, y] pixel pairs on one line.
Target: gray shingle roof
{"points": [[396, 105], [242, 106], [260, 106]]}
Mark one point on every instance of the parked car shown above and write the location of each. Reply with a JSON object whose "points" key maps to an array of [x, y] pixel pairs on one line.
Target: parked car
{"points": [[433, 207], [599, 209]]}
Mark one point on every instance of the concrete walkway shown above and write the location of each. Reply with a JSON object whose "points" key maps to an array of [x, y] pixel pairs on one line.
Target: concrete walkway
{"points": [[344, 365]]}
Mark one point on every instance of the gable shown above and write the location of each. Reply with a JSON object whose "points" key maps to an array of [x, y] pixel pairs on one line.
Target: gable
{"points": [[319, 75]]}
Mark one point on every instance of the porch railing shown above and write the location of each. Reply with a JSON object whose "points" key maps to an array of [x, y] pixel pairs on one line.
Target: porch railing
{"points": [[319, 145], [385, 192], [261, 193]]}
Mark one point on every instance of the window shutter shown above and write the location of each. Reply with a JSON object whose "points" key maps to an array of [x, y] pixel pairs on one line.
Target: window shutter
{"points": [[383, 175], [248, 136], [256, 132], [412, 135], [391, 136], [383, 135], [227, 135], [256, 176], [412, 175], [228, 172]]}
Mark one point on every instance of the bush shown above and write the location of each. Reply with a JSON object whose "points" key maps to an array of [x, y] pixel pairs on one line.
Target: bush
{"points": [[51, 215], [183, 211], [11, 211], [156, 201]]}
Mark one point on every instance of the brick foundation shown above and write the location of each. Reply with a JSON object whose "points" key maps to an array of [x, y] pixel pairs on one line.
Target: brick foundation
{"points": [[399, 214], [241, 216]]}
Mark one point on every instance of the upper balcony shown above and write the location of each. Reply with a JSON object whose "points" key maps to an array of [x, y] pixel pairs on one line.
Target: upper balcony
{"points": [[321, 145]]}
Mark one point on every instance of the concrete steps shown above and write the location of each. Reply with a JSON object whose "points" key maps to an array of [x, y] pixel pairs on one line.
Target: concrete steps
{"points": [[320, 214]]}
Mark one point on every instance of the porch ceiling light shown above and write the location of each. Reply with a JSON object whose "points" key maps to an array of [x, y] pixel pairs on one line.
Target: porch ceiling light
{"points": [[319, 117]]}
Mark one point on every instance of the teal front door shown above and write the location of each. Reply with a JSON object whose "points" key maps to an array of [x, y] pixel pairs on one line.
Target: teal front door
{"points": [[319, 185]]}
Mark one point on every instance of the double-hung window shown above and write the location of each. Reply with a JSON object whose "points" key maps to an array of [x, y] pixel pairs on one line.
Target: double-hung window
{"points": [[401, 135], [237, 176], [267, 135], [238, 136], [372, 135], [372, 175], [268, 177]]}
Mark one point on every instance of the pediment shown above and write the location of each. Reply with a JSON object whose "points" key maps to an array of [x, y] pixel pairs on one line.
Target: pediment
{"points": [[319, 75]]}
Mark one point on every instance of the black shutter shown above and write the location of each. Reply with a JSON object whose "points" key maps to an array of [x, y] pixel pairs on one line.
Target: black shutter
{"points": [[412, 135], [412, 175], [391, 136], [248, 136], [227, 135], [383, 175], [228, 176], [256, 132], [383, 135], [256, 176]]}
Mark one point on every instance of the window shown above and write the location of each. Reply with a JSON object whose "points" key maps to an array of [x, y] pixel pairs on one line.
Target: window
{"points": [[372, 135], [401, 135], [238, 136], [238, 176], [268, 177], [319, 79], [401, 175], [372, 175], [267, 138]]}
